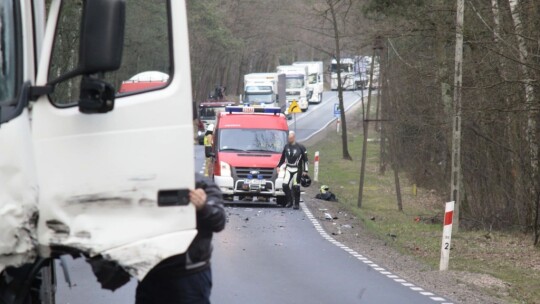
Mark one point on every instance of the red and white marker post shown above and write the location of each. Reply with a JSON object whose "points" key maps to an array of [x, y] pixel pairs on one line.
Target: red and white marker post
{"points": [[316, 167], [447, 235]]}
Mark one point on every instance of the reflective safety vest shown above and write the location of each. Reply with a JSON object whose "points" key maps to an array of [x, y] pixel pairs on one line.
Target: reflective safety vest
{"points": [[208, 145], [208, 140]]}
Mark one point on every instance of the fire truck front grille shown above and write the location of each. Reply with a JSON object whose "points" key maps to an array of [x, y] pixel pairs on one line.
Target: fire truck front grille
{"points": [[242, 172]]}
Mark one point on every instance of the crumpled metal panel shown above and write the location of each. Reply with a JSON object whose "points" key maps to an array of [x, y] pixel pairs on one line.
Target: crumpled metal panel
{"points": [[18, 194]]}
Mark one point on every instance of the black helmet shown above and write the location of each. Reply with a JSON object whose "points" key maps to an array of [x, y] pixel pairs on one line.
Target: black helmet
{"points": [[305, 181]]}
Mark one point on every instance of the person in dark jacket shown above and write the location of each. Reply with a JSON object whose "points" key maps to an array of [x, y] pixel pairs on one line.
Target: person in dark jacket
{"points": [[294, 157], [187, 278]]}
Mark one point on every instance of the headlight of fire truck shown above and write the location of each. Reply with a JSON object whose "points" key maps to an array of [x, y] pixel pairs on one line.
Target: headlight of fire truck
{"points": [[225, 169]]}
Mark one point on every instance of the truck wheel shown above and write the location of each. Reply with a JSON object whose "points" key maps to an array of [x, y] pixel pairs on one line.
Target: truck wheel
{"points": [[29, 284], [281, 201]]}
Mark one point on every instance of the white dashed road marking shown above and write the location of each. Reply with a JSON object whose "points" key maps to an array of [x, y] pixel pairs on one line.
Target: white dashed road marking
{"points": [[365, 260]]}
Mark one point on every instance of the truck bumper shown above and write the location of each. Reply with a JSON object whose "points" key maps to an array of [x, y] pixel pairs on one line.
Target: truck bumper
{"points": [[229, 186], [303, 103]]}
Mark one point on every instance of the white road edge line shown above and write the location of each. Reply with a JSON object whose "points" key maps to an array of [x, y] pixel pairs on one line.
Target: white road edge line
{"points": [[361, 258], [331, 121], [310, 112]]}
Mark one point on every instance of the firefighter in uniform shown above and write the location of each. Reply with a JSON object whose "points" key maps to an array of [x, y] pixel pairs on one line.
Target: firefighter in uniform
{"points": [[295, 159], [208, 142]]}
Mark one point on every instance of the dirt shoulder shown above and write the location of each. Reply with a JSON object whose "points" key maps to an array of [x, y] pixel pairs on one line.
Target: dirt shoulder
{"points": [[457, 286], [485, 267]]}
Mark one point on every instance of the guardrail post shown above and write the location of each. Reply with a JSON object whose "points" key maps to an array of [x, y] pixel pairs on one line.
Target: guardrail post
{"points": [[447, 235], [316, 167]]}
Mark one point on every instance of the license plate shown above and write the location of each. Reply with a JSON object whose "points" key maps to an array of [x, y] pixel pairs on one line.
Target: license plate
{"points": [[255, 181]]}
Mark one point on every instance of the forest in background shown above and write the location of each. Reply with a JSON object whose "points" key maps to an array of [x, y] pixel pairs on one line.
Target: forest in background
{"points": [[500, 95]]}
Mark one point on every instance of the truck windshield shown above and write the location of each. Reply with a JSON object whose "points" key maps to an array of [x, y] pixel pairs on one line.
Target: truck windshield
{"points": [[345, 67], [312, 78], [295, 82], [255, 99], [7, 51], [259, 89], [210, 113], [252, 140]]}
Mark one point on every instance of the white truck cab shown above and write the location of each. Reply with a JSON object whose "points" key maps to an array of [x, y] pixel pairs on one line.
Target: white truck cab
{"points": [[260, 89], [296, 84], [315, 79], [348, 75], [85, 169]]}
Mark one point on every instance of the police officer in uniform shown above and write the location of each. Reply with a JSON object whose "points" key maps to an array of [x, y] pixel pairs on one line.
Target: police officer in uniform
{"points": [[295, 158]]}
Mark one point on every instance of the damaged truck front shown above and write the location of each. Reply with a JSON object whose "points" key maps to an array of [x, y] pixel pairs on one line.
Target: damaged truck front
{"points": [[85, 169]]}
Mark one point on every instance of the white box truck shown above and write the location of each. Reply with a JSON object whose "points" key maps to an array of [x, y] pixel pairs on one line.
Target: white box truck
{"points": [[260, 89], [90, 170], [315, 79], [296, 84]]}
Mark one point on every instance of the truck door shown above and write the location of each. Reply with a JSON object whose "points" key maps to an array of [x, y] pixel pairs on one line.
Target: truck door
{"points": [[113, 183], [18, 181]]}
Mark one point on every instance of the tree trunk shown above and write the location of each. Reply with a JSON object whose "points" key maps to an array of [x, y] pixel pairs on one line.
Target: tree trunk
{"points": [[456, 182], [344, 141], [383, 100], [510, 125], [530, 107]]}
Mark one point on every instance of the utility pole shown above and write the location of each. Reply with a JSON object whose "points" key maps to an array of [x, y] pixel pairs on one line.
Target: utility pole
{"points": [[456, 183], [365, 123]]}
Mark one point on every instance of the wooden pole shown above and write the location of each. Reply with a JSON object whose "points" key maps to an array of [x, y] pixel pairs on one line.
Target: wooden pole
{"points": [[365, 127], [456, 183]]}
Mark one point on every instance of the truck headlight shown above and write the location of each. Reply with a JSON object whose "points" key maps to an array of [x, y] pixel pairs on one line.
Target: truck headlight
{"points": [[225, 169]]}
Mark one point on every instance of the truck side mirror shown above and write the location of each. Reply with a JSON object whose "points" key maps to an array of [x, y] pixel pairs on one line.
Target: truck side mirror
{"points": [[102, 36], [101, 46]]}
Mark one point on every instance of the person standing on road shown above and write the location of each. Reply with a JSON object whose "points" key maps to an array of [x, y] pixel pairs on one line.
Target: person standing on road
{"points": [[208, 143], [187, 278], [295, 159]]}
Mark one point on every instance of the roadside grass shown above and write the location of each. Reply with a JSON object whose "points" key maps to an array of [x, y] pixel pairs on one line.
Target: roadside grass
{"points": [[504, 264]]}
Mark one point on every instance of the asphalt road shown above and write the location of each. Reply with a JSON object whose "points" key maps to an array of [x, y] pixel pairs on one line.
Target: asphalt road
{"points": [[320, 115], [274, 255], [270, 255]]}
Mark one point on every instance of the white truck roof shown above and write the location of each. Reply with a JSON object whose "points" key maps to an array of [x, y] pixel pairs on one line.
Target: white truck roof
{"points": [[291, 69], [344, 60], [151, 76], [269, 76], [313, 66]]}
